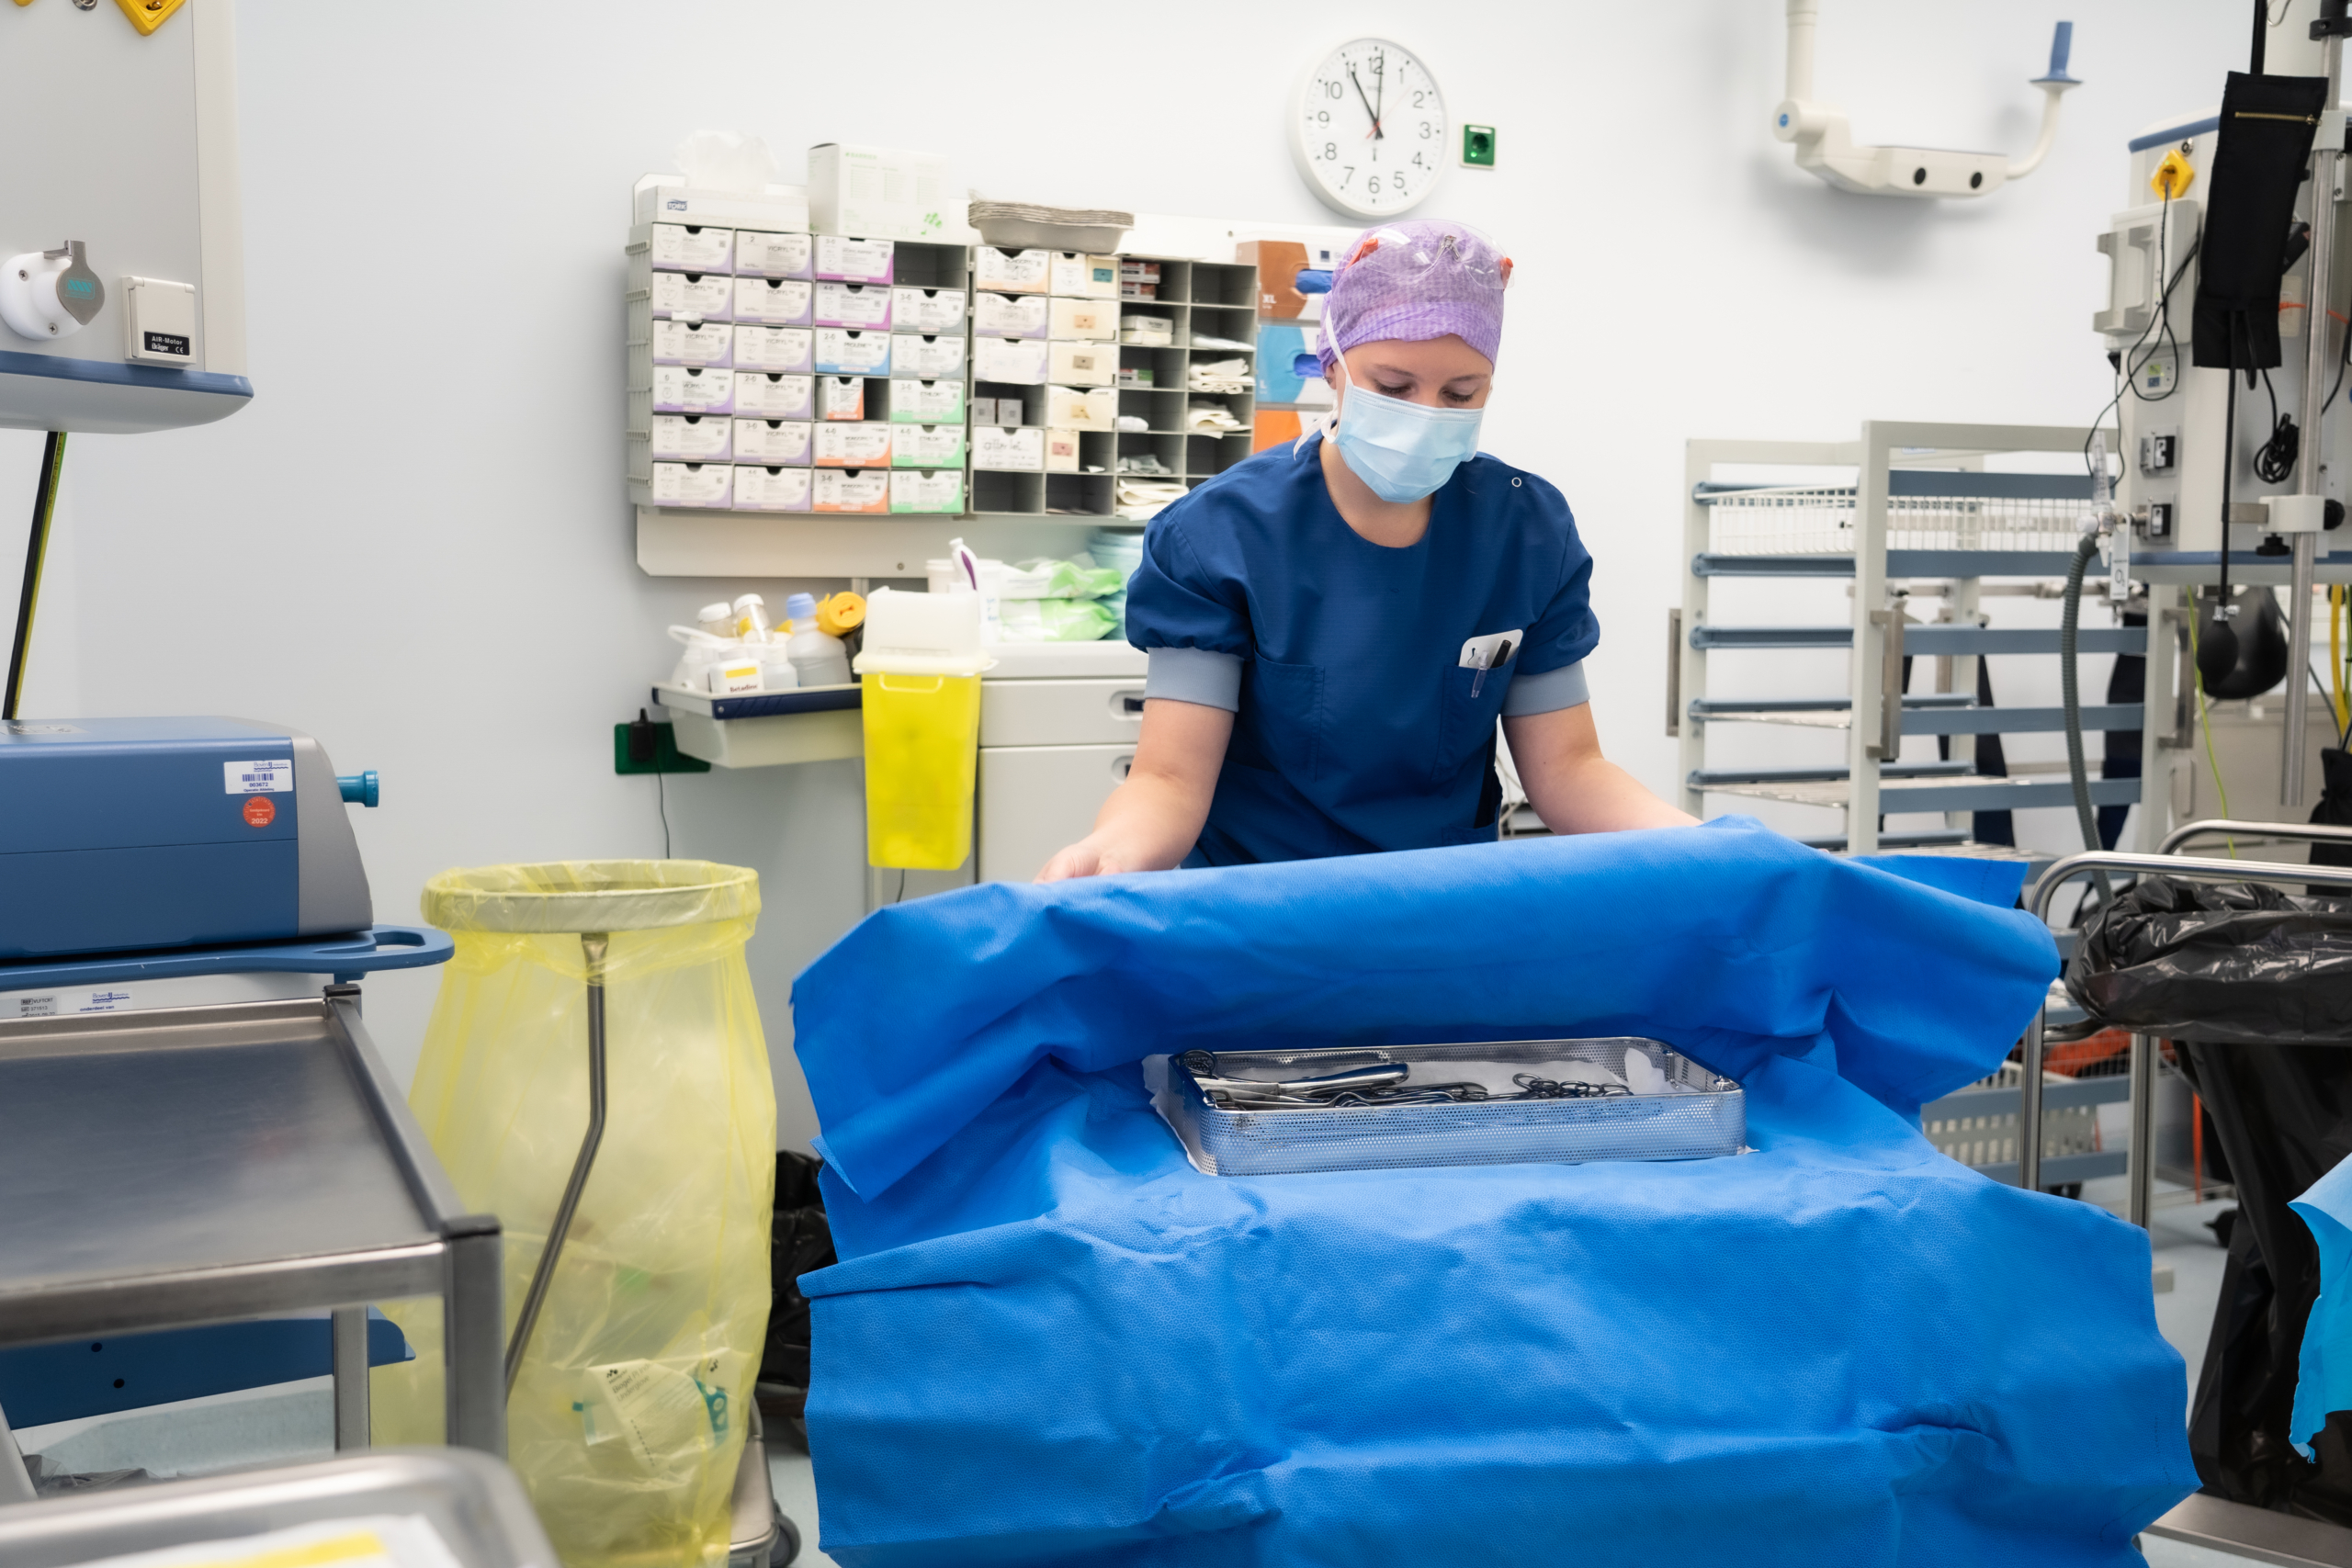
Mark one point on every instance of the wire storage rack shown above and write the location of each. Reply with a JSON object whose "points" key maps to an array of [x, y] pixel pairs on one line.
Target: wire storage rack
{"points": [[1921, 505], [1926, 509]]}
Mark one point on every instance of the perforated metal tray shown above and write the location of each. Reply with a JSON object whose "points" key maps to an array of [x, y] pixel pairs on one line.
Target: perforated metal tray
{"points": [[1700, 1116]]}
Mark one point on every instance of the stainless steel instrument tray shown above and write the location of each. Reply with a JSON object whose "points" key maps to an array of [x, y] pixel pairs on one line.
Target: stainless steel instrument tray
{"points": [[1700, 1116]]}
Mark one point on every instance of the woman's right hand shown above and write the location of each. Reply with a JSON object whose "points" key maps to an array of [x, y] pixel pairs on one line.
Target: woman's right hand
{"points": [[1083, 858]]}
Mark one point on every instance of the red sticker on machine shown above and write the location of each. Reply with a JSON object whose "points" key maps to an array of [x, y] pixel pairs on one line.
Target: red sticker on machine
{"points": [[260, 812]]}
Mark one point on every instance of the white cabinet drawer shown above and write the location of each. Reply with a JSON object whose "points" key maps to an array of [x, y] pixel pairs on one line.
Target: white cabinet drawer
{"points": [[1060, 712], [1035, 799]]}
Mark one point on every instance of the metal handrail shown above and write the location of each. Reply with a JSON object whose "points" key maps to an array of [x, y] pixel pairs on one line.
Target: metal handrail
{"points": [[2219, 827], [2189, 868]]}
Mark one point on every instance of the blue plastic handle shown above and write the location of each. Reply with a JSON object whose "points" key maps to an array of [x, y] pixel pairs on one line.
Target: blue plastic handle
{"points": [[359, 789], [2061, 45], [1312, 280]]}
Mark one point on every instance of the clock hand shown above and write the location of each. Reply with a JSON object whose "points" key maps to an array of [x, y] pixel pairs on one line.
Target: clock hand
{"points": [[1367, 103], [1382, 107]]}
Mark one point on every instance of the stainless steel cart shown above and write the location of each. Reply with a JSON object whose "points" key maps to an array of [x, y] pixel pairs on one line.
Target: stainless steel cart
{"points": [[201, 1164], [472, 1503]]}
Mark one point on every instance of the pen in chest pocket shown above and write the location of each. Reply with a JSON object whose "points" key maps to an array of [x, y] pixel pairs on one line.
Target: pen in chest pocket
{"points": [[1485, 653]]}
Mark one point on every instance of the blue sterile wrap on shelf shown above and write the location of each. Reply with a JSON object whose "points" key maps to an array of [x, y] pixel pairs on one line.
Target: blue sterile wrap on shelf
{"points": [[1051, 1340]]}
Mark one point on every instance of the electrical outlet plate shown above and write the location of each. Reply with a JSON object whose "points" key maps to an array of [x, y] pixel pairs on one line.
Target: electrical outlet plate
{"points": [[1477, 146], [667, 757]]}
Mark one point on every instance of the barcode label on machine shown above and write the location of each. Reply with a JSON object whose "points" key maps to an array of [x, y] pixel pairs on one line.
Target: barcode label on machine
{"points": [[275, 777]]}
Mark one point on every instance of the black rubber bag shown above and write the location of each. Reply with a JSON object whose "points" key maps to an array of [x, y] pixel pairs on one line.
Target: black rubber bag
{"points": [[2259, 159], [801, 1241], [2256, 984]]}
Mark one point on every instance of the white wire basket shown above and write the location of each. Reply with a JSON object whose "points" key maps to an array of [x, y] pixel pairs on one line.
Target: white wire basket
{"points": [[1981, 1141], [1805, 520]]}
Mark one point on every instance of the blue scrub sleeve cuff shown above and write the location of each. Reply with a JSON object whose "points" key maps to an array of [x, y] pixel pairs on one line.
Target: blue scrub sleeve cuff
{"points": [[1194, 675], [1546, 692]]}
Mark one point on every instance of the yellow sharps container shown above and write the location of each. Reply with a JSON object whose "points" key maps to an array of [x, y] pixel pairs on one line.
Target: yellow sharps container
{"points": [[920, 671]]}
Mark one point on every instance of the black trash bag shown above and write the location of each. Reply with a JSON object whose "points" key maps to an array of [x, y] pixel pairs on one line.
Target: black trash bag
{"points": [[2283, 1116], [2227, 961], [2255, 984], [2335, 807], [801, 1241]]}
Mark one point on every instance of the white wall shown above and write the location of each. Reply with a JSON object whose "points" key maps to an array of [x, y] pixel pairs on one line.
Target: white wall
{"points": [[415, 544]]}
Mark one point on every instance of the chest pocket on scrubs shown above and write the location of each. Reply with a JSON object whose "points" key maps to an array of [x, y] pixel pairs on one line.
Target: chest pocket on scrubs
{"points": [[1466, 724], [1282, 720]]}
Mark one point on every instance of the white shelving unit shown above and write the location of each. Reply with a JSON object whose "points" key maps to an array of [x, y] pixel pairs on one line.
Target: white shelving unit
{"points": [[1920, 507], [1016, 517]]}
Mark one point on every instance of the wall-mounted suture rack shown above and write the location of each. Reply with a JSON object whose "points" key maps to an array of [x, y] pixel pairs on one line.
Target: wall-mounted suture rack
{"points": [[1173, 431]]}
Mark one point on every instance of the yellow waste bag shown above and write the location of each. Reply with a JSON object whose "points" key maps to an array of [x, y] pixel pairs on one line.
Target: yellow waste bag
{"points": [[626, 1419]]}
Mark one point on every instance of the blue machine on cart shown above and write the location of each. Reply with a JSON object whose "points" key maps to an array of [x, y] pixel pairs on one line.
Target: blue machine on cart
{"points": [[171, 869], [124, 833]]}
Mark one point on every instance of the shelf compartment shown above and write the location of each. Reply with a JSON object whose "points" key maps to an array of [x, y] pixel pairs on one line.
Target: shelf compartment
{"points": [[1899, 564], [1930, 640], [1940, 794], [1956, 714]]}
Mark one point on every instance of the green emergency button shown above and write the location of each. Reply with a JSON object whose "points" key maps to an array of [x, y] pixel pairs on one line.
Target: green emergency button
{"points": [[1479, 146]]}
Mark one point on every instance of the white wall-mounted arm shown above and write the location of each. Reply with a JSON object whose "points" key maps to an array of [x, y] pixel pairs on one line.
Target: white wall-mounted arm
{"points": [[2054, 85], [1826, 145]]}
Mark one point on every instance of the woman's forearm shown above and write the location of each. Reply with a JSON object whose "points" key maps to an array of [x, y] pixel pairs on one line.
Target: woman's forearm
{"points": [[1572, 786], [1150, 822], [1153, 819], [1596, 796]]}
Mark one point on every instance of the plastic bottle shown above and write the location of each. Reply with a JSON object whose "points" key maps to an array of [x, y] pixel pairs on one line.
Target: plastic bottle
{"points": [[716, 619], [821, 659], [752, 623], [702, 651], [776, 672]]}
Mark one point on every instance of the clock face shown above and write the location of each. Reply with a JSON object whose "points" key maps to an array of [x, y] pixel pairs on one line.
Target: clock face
{"points": [[1369, 129]]}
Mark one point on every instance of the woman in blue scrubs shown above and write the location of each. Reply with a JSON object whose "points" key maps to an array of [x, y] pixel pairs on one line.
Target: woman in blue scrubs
{"points": [[1334, 628]]}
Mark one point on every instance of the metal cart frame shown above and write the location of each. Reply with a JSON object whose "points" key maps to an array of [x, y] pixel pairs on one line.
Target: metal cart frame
{"points": [[274, 1225]]}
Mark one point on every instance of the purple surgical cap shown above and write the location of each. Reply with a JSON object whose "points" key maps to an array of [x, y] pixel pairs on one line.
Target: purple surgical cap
{"points": [[1411, 282]]}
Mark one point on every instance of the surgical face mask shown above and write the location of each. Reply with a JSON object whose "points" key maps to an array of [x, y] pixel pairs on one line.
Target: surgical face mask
{"points": [[1404, 451]]}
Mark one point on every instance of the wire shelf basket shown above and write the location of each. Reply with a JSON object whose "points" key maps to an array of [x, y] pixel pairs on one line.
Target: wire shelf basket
{"points": [[1800, 520], [1992, 1140]]}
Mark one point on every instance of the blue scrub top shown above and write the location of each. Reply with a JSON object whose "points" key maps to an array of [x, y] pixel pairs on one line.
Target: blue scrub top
{"points": [[1356, 729]]}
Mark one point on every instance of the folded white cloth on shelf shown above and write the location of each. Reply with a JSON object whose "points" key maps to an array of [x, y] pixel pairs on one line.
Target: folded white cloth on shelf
{"points": [[1203, 417], [1144, 463], [1203, 340], [1218, 376], [1142, 498], [1132, 422]]}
